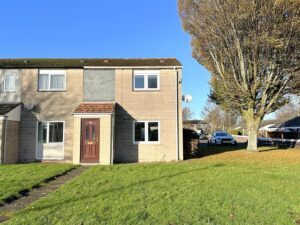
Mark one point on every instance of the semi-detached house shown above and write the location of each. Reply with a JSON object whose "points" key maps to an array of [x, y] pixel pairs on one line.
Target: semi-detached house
{"points": [[90, 110]]}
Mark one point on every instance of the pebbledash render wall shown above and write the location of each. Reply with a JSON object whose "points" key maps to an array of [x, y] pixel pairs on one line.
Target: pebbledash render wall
{"points": [[49, 106], [161, 105]]}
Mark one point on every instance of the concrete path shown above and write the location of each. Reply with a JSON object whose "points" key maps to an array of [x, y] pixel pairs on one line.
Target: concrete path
{"points": [[38, 192]]}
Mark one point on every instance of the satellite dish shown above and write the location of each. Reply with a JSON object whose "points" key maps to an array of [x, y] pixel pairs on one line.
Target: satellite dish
{"points": [[187, 98], [29, 106]]}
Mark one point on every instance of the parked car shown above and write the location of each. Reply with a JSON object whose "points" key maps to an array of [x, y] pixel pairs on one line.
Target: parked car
{"points": [[220, 138]]}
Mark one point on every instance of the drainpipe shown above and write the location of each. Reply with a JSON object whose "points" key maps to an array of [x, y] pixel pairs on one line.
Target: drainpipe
{"points": [[3, 141], [1, 149], [112, 138], [177, 118]]}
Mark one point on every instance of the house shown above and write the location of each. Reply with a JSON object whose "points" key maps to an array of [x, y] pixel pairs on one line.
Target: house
{"points": [[201, 126], [90, 110], [289, 129]]}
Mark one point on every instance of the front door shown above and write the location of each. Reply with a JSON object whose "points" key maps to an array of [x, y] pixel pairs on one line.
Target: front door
{"points": [[90, 141]]}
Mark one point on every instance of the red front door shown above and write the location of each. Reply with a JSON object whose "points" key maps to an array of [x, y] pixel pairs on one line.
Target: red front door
{"points": [[90, 141]]}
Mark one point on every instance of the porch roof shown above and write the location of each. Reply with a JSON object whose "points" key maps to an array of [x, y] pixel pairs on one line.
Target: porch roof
{"points": [[6, 108], [86, 108]]}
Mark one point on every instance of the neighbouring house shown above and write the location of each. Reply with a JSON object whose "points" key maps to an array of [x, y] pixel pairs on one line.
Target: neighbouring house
{"points": [[90, 110], [289, 129], [201, 126]]}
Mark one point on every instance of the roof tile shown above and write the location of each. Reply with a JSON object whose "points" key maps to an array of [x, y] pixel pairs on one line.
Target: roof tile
{"points": [[95, 108]]}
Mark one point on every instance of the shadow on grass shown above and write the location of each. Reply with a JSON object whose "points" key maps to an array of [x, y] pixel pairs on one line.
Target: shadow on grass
{"points": [[208, 150]]}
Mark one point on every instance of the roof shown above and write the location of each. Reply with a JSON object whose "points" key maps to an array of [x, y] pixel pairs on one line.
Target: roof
{"points": [[295, 122], [195, 122], [6, 108], [85, 62], [265, 123], [95, 108]]}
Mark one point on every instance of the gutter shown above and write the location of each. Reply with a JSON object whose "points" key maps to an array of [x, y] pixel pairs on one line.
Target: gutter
{"points": [[132, 67]]}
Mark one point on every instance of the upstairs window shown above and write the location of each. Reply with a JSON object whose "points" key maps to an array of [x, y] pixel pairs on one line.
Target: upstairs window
{"points": [[10, 82], [52, 80], [146, 80]]}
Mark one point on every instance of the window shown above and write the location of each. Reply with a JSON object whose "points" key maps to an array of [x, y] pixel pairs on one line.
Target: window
{"points": [[153, 131], [50, 132], [52, 80], [56, 132], [146, 132], [42, 132], [139, 132], [9, 82], [146, 80]]}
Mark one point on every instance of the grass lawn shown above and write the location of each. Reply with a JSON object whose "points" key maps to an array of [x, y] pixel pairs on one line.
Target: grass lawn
{"points": [[235, 187], [20, 177]]}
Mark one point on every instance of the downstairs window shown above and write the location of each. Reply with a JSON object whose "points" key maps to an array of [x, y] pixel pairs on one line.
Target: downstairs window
{"points": [[146, 132], [50, 132]]}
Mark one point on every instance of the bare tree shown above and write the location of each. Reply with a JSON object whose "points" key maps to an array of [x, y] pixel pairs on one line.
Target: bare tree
{"points": [[251, 48], [218, 118], [187, 113], [290, 110]]}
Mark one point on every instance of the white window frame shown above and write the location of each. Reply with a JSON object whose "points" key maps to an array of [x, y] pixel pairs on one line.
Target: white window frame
{"points": [[14, 82], [146, 73], [146, 122], [52, 73], [47, 135]]}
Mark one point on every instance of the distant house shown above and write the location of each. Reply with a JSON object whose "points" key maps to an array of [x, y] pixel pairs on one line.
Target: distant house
{"points": [[201, 126], [265, 125], [289, 129]]}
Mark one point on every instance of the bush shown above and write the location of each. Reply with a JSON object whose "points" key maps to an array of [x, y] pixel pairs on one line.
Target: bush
{"points": [[190, 142]]}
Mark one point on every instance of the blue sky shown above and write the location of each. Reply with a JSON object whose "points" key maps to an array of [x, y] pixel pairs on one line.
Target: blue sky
{"points": [[98, 28]]}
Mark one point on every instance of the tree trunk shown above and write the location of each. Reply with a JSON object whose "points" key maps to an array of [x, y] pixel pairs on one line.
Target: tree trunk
{"points": [[253, 123], [252, 137]]}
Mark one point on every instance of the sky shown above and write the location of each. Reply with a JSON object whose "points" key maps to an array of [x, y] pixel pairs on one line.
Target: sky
{"points": [[102, 29]]}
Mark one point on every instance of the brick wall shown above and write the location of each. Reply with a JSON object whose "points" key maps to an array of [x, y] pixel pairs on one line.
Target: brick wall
{"points": [[105, 138], [49, 106], [2, 125], [146, 105], [12, 142]]}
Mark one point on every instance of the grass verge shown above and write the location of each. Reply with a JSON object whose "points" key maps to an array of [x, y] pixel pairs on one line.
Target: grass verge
{"points": [[18, 179], [235, 187]]}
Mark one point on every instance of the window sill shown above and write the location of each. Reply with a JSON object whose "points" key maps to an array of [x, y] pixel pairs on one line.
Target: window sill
{"points": [[146, 143], [146, 90], [52, 90], [52, 143], [50, 158]]}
